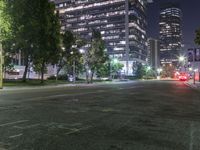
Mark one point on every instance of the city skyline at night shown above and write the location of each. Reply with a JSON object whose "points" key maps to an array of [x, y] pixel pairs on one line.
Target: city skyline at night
{"points": [[190, 19]]}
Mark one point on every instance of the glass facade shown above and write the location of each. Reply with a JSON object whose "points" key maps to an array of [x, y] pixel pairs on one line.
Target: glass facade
{"points": [[122, 24], [170, 32], [154, 53]]}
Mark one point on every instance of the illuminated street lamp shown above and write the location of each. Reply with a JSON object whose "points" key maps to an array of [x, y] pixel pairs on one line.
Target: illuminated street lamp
{"points": [[159, 70], [82, 51], [181, 58], [182, 61], [115, 61], [148, 68], [74, 68]]}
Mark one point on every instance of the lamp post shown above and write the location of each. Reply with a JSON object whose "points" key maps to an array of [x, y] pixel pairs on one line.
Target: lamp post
{"points": [[74, 68], [182, 61], [1, 66], [159, 70]]}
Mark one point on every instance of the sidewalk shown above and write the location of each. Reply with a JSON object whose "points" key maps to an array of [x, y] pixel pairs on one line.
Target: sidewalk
{"points": [[17, 88], [191, 84]]}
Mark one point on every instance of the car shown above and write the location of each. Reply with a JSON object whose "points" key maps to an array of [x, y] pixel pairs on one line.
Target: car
{"points": [[183, 77]]}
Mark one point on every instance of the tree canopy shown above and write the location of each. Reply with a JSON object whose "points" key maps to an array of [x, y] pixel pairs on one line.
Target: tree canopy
{"points": [[96, 55], [5, 20]]}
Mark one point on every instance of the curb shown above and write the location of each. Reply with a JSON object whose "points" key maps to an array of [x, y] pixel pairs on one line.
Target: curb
{"points": [[191, 85], [43, 87], [59, 86]]}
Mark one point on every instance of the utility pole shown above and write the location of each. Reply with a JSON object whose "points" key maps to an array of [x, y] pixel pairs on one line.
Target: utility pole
{"points": [[74, 67], [194, 80], [1, 66], [74, 71]]}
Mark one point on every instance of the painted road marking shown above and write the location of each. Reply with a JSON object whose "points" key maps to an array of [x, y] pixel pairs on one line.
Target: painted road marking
{"points": [[12, 123], [15, 136], [27, 127], [75, 94], [61, 95], [75, 130]]}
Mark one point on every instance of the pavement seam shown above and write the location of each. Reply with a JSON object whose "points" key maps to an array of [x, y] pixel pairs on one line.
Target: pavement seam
{"points": [[12, 123]]}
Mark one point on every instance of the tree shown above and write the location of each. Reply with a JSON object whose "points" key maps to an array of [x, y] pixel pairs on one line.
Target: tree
{"points": [[116, 67], [5, 20], [48, 36], [95, 56], [68, 40], [141, 71], [168, 70], [150, 72], [104, 70], [24, 19], [70, 53], [8, 48], [197, 39], [4, 31]]}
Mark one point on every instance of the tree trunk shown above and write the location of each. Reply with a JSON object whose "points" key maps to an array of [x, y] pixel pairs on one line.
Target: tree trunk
{"points": [[59, 67], [87, 77], [42, 72], [5, 70], [91, 78], [24, 79], [57, 73]]}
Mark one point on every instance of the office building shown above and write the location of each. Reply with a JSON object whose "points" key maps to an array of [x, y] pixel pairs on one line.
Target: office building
{"points": [[122, 24], [154, 53], [170, 32]]}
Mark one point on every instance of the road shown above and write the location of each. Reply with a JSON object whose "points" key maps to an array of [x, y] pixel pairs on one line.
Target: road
{"points": [[141, 115]]}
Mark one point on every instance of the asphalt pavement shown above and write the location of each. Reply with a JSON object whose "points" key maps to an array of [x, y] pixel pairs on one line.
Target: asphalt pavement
{"points": [[139, 115]]}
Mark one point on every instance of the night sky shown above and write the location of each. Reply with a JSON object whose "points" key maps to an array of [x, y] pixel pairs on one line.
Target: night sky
{"points": [[191, 19]]}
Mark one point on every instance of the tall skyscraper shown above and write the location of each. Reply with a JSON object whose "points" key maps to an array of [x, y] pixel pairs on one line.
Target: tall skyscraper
{"points": [[170, 32], [154, 53], [122, 24]]}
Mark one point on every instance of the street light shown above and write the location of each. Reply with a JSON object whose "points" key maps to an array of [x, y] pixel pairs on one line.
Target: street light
{"points": [[115, 61], [181, 58], [74, 68], [159, 70], [182, 61], [148, 68], [82, 51]]}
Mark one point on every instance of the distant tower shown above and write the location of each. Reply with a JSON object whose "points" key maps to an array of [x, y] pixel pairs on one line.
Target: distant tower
{"points": [[170, 32], [154, 53]]}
